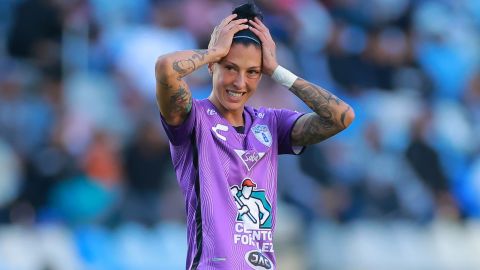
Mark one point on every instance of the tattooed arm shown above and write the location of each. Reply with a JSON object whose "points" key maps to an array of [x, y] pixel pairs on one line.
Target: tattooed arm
{"points": [[331, 115], [173, 94]]}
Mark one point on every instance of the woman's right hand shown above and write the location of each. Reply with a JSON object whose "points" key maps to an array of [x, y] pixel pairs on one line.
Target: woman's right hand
{"points": [[222, 35]]}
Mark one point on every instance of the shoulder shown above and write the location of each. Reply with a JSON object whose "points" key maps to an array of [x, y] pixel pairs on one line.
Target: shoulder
{"points": [[271, 113], [205, 113], [200, 105]]}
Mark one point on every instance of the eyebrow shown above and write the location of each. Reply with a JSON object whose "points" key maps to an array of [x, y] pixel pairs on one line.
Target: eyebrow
{"points": [[236, 66]]}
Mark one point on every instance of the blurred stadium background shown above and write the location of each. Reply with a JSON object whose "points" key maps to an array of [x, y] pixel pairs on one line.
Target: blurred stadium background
{"points": [[85, 175]]}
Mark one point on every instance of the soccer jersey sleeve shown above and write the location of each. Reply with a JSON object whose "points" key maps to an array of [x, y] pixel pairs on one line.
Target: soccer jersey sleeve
{"points": [[180, 134], [286, 119]]}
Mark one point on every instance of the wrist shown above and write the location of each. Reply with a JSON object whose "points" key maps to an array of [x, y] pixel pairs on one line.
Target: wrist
{"points": [[283, 76], [270, 72], [216, 54]]}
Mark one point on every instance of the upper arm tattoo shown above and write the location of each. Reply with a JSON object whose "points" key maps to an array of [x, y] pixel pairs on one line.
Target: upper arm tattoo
{"points": [[177, 98], [307, 130], [329, 117], [181, 100], [174, 99]]}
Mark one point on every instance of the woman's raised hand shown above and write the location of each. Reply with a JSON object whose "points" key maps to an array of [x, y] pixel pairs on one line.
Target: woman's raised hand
{"points": [[268, 46], [222, 35]]}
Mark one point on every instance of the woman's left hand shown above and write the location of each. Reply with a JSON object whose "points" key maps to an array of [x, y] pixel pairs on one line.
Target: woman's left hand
{"points": [[268, 46]]}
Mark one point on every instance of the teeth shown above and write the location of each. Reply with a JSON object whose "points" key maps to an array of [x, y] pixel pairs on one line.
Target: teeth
{"points": [[234, 94]]}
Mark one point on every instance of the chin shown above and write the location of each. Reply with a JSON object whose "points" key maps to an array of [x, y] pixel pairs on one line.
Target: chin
{"points": [[229, 106]]}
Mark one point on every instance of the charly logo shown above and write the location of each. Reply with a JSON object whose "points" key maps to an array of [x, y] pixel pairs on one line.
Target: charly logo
{"points": [[258, 261], [220, 127], [262, 133], [249, 157]]}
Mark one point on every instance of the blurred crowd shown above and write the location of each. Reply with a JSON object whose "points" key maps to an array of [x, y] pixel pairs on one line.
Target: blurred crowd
{"points": [[80, 135]]}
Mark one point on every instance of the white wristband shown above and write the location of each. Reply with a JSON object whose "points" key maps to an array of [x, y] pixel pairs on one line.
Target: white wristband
{"points": [[283, 76]]}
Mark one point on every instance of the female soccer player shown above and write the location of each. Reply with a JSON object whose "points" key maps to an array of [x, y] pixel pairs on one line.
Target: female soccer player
{"points": [[224, 152]]}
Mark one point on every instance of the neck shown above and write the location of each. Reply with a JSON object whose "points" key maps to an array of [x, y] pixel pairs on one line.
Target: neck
{"points": [[235, 118]]}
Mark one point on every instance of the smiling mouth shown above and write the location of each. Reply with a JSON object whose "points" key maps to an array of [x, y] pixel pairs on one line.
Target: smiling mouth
{"points": [[235, 94]]}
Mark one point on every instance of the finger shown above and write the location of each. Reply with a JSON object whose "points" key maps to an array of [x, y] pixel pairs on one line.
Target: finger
{"points": [[258, 26], [227, 20], [232, 24], [259, 22], [259, 34], [236, 22], [238, 28]]}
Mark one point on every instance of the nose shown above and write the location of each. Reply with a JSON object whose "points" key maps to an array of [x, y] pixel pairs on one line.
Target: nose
{"points": [[239, 82]]}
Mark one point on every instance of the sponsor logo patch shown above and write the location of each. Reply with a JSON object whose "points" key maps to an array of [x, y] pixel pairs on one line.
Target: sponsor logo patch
{"points": [[258, 261], [211, 112], [249, 157], [261, 115]]}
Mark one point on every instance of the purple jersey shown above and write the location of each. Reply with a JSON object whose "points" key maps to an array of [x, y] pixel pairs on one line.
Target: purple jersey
{"points": [[229, 181]]}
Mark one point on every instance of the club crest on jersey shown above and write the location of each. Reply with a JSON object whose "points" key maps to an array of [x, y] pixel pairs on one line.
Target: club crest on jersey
{"points": [[249, 157], [263, 135]]}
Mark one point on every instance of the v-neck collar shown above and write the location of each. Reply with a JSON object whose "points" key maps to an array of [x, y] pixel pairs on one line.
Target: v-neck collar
{"points": [[240, 141], [246, 116]]}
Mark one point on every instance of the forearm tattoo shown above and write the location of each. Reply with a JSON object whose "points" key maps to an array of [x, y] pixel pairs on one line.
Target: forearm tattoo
{"points": [[183, 67], [186, 66], [329, 117], [200, 54]]}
